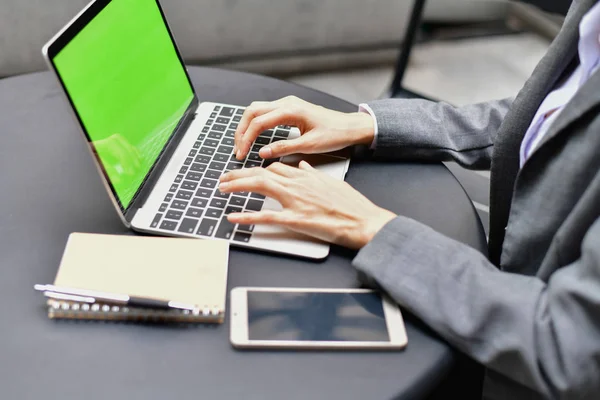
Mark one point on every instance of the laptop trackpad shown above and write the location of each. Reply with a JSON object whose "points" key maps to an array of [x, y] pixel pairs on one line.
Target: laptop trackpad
{"points": [[331, 165]]}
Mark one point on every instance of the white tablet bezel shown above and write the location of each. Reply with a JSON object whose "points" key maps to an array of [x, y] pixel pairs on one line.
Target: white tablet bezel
{"points": [[239, 324]]}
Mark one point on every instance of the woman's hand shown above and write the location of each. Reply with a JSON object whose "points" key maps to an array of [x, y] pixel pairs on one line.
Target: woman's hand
{"points": [[313, 203], [321, 130]]}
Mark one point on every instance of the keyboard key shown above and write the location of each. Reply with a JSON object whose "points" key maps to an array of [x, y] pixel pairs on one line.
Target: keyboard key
{"points": [[221, 157], [201, 137], [201, 158], [234, 165], [228, 141], [237, 118], [254, 157], [244, 194], [212, 174], [287, 127], [280, 133], [221, 195], [201, 192], [230, 134], [215, 135], [179, 204], [219, 166], [263, 140], [207, 151], [225, 229], [226, 112], [178, 178], [254, 205], [196, 145], [252, 164], [172, 214], [239, 111], [207, 227], [183, 169], [246, 228], [205, 129], [225, 149], [211, 142], [194, 212], [218, 203], [257, 196], [210, 122], [219, 128], [169, 197], [197, 167], [213, 115], [242, 237], [173, 187], [188, 161], [193, 176], [208, 183], [276, 139], [184, 195], [156, 220], [192, 153], [237, 201], [233, 125], [197, 202], [222, 120], [188, 225], [268, 133], [163, 207], [168, 225], [269, 161], [257, 147], [189, 185], [217, 108], [232, 209], [213, 213]]}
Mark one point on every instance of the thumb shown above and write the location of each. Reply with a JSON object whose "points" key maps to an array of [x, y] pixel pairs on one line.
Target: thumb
{"points": [[305, 166], [287, 147]]}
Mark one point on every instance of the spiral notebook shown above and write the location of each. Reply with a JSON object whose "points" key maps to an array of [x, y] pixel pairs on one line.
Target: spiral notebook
{"points": [[189, 271]]}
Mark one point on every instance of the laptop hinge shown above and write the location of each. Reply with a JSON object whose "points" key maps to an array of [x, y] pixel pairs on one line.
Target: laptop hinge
{"points": [[180, 131]]}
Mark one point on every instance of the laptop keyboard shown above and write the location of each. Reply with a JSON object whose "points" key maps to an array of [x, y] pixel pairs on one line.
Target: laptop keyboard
{"points": [[193, 204]]}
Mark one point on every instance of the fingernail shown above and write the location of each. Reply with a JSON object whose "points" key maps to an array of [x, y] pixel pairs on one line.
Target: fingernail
{"points": [[234, 149], [237, 153], [265, 152], [223, 186]]}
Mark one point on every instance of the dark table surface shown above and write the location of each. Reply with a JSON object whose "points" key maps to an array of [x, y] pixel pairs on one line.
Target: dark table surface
{"points": [[49, 188]]}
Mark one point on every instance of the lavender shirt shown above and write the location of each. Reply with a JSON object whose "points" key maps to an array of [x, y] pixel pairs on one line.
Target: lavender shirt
{"points": [[555, 101]]}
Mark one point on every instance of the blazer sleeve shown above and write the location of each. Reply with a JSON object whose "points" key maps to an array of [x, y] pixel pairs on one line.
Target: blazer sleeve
{"points": [[427, 130], [544, 336]]}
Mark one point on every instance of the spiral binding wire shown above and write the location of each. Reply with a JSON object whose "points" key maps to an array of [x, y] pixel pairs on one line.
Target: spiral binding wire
{"points": [[59, 309]]}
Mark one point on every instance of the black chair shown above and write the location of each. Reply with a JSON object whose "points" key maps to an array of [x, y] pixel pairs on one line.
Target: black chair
{"points": [[396, 90]]}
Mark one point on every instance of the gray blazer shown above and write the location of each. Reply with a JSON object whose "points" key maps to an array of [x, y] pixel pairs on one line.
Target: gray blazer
{"points": [[530, 310]]}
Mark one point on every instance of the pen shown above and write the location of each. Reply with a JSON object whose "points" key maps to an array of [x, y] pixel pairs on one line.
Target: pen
{"points": [[92, 296]]}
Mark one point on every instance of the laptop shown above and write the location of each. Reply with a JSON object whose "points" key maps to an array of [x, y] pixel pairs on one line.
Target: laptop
{"points": [[159, 151]]}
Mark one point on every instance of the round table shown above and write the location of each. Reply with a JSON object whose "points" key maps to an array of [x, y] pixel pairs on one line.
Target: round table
{"points": [[50, 188]]}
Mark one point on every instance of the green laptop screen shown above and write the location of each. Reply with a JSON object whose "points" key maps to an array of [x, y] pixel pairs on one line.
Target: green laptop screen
{"points": [[128, 87]]}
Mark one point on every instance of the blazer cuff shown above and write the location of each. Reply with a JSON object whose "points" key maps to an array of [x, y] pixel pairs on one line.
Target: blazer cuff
{"points": [[407, 254]]}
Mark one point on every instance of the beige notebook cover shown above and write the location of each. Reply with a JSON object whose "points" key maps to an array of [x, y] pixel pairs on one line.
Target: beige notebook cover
{"points": [[190, 271]]}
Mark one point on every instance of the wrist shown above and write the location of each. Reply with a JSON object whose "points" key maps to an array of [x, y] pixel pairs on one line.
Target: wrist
{"points": [[363, 128], [373, 224]]}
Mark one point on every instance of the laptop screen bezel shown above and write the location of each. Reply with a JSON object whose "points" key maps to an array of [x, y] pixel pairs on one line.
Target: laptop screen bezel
{"points": [[58, 43]]}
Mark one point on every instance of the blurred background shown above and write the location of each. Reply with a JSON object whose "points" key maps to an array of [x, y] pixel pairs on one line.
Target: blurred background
{"points": [[464, 51]]}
